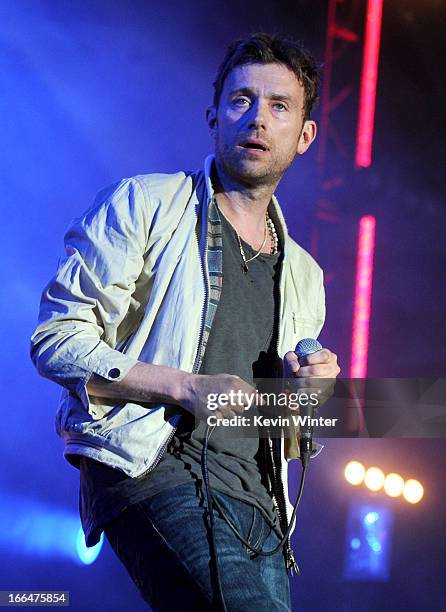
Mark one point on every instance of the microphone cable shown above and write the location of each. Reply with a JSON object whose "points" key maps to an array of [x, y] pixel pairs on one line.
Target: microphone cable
{"points": [[210, 500], [205, 474]]}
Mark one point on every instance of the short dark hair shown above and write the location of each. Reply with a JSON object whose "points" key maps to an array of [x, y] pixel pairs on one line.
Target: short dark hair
{"points": [[262, 48]]}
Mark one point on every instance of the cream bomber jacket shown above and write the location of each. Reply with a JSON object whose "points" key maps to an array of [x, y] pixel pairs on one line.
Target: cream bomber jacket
{"points": [[131, 287]]}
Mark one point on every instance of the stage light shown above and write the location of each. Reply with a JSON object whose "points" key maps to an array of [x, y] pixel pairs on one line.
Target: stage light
{"points": [[87, 555], [354, 472], [413, 491], [363, 296], [368, 541], [41, 530], [371, 517], [355, 543], [374, 479], [374, 544], [393, 485], [369, 79]]}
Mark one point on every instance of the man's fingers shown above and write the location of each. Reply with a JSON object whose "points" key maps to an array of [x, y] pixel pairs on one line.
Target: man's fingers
{"points": [[291, 363], [317, 374], [320, 370], [322, 356]]}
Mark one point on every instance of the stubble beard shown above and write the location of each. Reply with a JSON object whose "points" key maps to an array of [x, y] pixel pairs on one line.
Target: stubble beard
{"points": [[251, 172]]}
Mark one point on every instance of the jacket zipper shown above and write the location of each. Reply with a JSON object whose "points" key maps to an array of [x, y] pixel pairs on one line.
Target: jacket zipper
{"points": [[204, 272], [159, 455], [278, 496], [196, 365], [278, 493]]}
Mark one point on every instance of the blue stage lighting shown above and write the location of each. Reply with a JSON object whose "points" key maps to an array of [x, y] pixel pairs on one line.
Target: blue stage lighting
{"points": [[371, 517], [368, 542], [87, 555], [374, 543], [355, 543], [35, 529]]}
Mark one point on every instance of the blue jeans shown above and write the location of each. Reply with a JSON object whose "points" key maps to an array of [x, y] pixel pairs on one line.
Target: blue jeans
{"points": [[164, 541]]}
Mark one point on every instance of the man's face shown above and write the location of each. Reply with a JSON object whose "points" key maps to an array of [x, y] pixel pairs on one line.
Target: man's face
{"points": [[259, 127]]}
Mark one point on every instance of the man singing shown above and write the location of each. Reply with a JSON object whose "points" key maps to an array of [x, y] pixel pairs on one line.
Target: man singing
{"points": [[175, 287]]}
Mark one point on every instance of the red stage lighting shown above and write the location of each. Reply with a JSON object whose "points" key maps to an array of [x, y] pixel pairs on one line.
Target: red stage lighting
{"points": [[369, 80]]}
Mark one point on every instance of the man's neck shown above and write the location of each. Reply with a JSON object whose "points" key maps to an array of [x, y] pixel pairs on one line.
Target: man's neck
{"points": [[245, 206]]}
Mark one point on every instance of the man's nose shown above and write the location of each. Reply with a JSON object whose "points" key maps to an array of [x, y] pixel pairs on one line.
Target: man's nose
{"points": [[257, 116]]}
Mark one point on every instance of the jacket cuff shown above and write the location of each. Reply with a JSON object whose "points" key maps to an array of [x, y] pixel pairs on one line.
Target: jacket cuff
{"points": [[106, 363]]}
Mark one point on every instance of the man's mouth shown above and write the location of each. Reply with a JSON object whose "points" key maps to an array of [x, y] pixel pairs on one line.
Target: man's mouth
{"points": [[254, 144]]}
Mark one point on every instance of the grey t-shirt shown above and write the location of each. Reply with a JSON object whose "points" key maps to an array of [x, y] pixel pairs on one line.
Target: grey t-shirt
{"points": [[242, 341]]}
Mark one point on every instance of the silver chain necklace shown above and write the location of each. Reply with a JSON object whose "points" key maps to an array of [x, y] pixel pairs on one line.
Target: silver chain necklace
{"points": [[242, 252], [269, 227]]}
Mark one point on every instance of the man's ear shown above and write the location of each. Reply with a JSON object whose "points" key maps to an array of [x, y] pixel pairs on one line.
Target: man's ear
{"points": [[211, 120], [307, 136]]}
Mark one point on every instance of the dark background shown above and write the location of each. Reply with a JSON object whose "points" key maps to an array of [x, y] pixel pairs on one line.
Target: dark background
{"points": [[92, 92]]}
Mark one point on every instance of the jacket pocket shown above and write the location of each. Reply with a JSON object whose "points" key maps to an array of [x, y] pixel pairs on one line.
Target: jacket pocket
{"points": [[303, 327]]}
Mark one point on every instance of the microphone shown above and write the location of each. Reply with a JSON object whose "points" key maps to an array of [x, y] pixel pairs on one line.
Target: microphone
{"points": [[305, 347]]}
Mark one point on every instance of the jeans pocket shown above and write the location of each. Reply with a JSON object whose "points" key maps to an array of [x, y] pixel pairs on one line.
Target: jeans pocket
{"points": [[251, 529], [256, 530], [261, 531]]}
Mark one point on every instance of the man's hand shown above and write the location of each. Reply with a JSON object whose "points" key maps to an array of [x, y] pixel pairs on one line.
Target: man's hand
{"points": [[321, 364], [203, 387], [318, 374]]}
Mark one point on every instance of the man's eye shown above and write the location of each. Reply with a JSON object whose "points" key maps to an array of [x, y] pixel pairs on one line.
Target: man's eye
{"points": [[279, 106], [240, 101]]}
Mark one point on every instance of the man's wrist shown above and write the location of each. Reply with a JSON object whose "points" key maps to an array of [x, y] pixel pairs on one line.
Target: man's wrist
{"points": [[185, 390]]}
